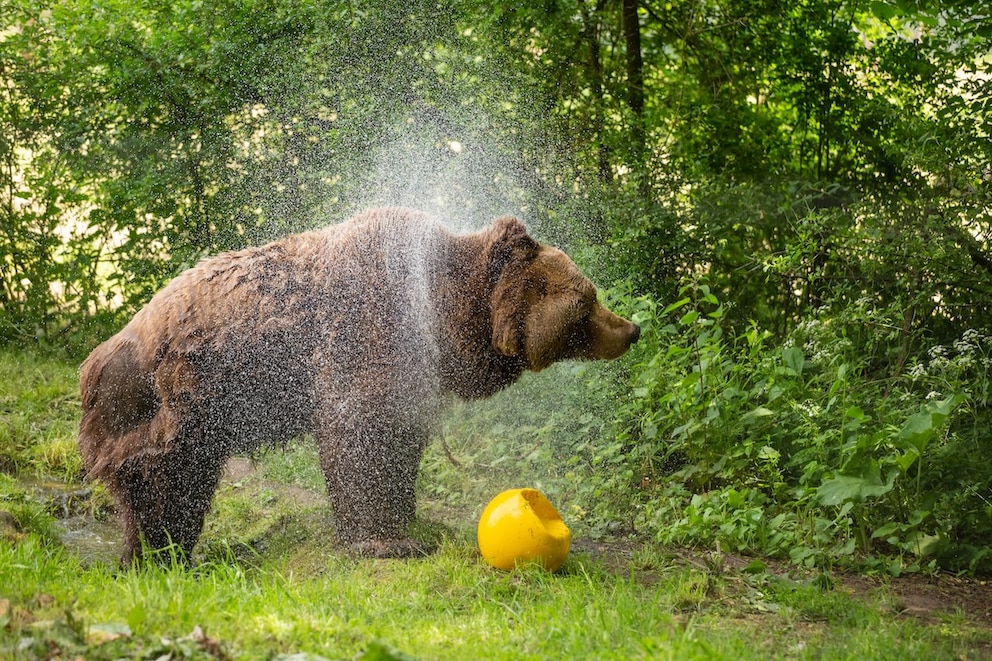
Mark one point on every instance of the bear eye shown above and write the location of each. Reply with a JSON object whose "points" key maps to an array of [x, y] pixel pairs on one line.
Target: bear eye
{"points": [[580, 313], [579, 318]]}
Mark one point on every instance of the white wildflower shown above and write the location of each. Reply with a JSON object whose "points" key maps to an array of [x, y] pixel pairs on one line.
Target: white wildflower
{"points": [[962, 346]]}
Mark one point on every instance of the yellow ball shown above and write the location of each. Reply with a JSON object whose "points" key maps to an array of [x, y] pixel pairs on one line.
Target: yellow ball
{"points": [[519, 526]]}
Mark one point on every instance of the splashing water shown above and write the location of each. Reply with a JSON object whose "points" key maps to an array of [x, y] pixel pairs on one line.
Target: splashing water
{"points": [[455, 178]]}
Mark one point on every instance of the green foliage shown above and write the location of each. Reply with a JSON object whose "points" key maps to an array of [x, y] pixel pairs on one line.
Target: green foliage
{"points": [[796, 450], [791, 450], [141, 136]]}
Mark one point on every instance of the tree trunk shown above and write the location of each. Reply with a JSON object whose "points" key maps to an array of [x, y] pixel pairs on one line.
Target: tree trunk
{"points": [[635, 93], [590, 33]]}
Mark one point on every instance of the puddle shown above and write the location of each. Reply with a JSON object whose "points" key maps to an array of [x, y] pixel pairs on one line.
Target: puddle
{"points": [[91, 540], [94, 539]]}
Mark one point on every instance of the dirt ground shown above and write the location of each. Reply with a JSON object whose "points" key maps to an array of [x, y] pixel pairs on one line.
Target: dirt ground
{"points": [[929, 598]]}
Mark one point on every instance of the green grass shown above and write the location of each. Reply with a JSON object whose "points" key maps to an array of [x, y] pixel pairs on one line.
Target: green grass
{"points": [[39, 414], [270, 581], [449, 606]]}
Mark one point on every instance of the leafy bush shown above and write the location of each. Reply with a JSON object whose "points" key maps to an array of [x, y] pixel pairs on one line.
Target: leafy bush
{"points": [[797, 449]]}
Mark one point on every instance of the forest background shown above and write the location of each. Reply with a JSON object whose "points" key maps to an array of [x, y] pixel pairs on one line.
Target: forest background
{"points": [[792, 199]]}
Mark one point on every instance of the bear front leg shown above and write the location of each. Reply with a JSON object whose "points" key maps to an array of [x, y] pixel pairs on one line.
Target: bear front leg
{"points": [[371, 474]]}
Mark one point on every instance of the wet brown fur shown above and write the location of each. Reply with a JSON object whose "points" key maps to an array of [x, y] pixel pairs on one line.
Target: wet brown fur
{"points": [[352, 334]]}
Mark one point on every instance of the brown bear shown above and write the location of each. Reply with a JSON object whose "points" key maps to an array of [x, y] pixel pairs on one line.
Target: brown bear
{"points": [[351, 334]]}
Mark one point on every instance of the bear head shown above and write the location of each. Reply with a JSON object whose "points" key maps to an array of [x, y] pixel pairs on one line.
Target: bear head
{"points": [[543, 308]]}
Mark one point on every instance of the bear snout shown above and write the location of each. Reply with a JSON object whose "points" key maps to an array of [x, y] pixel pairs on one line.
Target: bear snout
{"points": [[611, 335], [635, 334]]}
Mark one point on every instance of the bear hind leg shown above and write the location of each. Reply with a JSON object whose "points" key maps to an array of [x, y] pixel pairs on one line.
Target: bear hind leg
{"points": [[163, 503]]}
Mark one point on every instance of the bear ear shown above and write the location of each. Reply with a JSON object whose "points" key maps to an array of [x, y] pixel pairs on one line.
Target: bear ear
{"points": [[509, 250], [508, 240], [509, 228], [507, 315]]}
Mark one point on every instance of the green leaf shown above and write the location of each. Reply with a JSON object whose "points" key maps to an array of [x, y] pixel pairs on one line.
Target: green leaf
{"points": [[856, 488], [883, 11], [794, 359], [908, 458], [854, 413], [768, 453], [921, 427], [888, 529], [926, 545], [839, 489], [918, 430], [759, 412], [675, 306]]}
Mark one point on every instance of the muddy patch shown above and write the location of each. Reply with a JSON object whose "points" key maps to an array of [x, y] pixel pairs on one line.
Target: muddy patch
{"points": [[94, 541]]}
